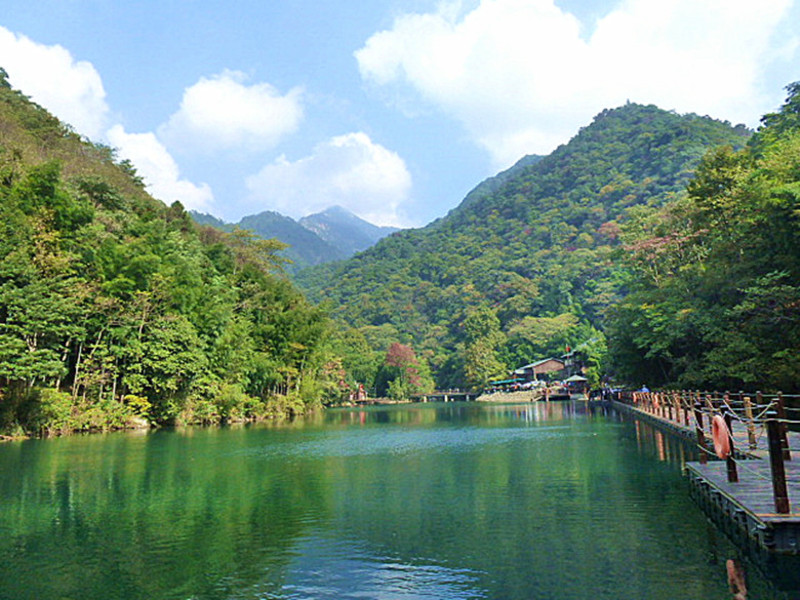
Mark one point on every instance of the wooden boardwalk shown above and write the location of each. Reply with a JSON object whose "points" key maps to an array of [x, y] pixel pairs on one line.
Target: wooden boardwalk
{"points": [[753, 491], [746, 507]]}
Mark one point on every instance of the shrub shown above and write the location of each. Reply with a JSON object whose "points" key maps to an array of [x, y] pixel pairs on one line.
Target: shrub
{"points": [[139, 405], [52, 412]]}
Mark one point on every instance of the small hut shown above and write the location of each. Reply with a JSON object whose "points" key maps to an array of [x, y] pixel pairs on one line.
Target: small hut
{"points": [[577, 384]]}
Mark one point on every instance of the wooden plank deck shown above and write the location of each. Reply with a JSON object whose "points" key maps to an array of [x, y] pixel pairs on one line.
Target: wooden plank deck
{"points": [[753, 491], [746, 507]]}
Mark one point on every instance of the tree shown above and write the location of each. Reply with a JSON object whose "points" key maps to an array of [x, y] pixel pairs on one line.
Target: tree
{"points": [[482, 337], [402, 374], [715, 279]]}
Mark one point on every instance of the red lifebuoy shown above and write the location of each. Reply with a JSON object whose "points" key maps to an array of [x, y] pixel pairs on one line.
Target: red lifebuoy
{"points": [[721, 437]]}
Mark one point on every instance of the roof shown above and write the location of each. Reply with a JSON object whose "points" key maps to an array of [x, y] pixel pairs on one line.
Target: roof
{"points": [[539, 362], [575, 378]]}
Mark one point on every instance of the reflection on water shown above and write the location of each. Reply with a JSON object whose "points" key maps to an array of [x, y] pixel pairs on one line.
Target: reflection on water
{"points": [[736, 579], [545, 500]]}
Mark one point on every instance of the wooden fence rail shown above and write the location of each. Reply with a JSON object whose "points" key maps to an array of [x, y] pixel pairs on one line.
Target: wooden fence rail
{"points": [[746, 417]]}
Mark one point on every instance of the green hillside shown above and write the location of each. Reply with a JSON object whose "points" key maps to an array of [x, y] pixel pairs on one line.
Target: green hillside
{"points": [[525, 265], [714, 279], [115, 307]]}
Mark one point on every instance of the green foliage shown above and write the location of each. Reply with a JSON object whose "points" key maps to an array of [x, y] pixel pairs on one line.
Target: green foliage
{"points": [[53, 412], [139, 405], [715, 279], [536, 242], [114, 306], [482, 337]]}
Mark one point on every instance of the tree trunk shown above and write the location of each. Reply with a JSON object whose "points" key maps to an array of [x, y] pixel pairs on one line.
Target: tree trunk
{"points": [[77, 372]]}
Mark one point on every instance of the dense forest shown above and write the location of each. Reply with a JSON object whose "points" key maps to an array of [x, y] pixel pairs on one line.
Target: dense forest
{"points": [[115, 308], [714, 277], [530, 262]]}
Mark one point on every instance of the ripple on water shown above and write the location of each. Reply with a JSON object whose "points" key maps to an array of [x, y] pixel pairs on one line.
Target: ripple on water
{"points": [[350, 571], [407, 441]]}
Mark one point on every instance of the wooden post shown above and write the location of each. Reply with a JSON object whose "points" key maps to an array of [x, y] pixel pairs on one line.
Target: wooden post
{"points": [[781, 407], [701, 438], [733, 475], [779, 491], [676, 404], [751, 427], [685, 405]]}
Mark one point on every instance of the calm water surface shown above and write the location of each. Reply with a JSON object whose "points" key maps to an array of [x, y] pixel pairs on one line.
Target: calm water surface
{"points": [[439, 501]]}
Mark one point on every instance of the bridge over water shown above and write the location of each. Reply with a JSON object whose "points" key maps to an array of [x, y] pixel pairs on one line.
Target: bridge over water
{"points": [[446, 396]]}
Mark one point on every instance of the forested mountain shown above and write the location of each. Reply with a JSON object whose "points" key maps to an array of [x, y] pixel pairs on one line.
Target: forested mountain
{"points": [[714, 278], [305, 248], [525, 265], [114, 306], [344, 230], [333, 234]]}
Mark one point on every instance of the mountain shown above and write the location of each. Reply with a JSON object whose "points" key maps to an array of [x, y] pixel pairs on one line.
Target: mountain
{"points": [[331, 235], [714, 280], [344, 230], [306, 248], [210, 221], [525, 265]]}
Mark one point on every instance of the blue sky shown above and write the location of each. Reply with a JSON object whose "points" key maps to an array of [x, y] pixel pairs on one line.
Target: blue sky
{"points": [[393, 109]]}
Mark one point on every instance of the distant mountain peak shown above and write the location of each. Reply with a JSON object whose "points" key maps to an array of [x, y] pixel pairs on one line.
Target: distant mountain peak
{"points": [[342, 228], [337, 210], [332, 234]]}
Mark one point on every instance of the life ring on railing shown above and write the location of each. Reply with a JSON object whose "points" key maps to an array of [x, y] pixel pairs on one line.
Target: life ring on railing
{"points": [[721, 437]]}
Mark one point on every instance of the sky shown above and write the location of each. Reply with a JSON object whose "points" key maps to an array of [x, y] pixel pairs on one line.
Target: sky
{"points": [[393, 109]]}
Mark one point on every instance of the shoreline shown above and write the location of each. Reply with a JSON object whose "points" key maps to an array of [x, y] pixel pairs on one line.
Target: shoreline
{"points": [[516, 397]]}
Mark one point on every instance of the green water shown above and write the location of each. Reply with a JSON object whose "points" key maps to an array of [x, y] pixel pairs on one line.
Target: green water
{"points": [[446, 501]]}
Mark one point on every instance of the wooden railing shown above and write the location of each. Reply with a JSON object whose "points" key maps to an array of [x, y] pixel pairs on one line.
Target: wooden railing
{"points": [[758, 421]]}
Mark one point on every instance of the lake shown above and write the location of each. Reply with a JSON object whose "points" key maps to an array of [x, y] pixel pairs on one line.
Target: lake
{"points": [[425, 501]]}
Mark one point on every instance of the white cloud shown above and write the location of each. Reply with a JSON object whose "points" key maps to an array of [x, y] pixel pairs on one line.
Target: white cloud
{"points": [[222, 112], [349, 170], [522, 75], [72, 90], [159, 170]]}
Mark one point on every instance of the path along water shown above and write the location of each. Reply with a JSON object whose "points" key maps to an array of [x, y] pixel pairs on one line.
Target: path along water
{"points": [[434, 501]]}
